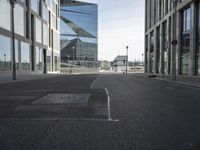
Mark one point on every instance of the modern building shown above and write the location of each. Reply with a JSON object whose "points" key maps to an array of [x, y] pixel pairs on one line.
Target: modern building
{"points": [[172, 37], [104, 65], [119, 63], [79, 33], [37, 37]]}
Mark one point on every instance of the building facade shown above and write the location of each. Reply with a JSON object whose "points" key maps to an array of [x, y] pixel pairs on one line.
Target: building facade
{"points": [[37, 36], [172, 37], [79, 33], [119, 63]]}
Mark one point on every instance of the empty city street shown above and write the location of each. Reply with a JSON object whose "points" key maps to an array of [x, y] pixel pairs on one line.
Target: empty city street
{"points": [[99, 112]]}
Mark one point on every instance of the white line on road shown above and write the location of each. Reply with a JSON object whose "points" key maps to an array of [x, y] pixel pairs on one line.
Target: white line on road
{"points": [[108, 98], [57, 119], [93, 83]]}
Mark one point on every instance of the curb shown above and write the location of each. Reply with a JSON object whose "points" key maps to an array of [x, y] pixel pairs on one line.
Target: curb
{"points": [[172, 82]]}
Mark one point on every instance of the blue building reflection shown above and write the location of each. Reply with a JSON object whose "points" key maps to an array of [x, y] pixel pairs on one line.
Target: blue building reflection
{"points": [[79, 33]]}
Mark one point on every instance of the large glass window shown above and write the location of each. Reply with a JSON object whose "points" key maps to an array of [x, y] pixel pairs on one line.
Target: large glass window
{"points": [[38, 59], [48, 61], [25, 56], [19, 19], [34, 5], [39, 31], [53, 21], [185, 48], [44, 12], [17, 54], [5, 54], [186, 19], [5, 14], [45, 35]]}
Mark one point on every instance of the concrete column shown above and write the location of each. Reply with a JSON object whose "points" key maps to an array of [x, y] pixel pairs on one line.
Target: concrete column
{"points": [[155, 52], [172, 38], [161, 50], [193, 39], [178, 37], [148, 54], [168, 46]]}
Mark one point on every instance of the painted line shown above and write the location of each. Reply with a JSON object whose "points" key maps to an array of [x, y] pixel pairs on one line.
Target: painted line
{"points": [[57, 119], [108, 98], [93, 83]]}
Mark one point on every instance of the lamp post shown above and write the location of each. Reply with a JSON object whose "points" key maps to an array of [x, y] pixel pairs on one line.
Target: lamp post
{"points": [[174, 43], [142, 59], [127, 59], [12, 3], [73, 48]]}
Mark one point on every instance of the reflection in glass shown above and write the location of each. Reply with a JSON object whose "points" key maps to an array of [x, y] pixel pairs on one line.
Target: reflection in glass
{"points": [[5, 55], [25, 56]]}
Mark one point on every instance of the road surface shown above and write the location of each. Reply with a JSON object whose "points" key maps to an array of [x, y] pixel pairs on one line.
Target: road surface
{"points": [[143, 114]]}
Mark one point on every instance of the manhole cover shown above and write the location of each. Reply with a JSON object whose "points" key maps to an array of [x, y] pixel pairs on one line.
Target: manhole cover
{"points": [[63, 99]]}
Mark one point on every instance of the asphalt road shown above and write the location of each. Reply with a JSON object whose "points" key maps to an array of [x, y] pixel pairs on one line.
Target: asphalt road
{"points": [[145, 114]]}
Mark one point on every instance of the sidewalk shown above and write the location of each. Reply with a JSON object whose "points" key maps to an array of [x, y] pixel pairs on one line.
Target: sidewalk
{"points": [[7, 77], [193, 81]]}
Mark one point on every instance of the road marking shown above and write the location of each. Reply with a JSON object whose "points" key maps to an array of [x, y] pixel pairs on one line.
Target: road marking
{"points": [[93, 83], [57, 119], [108, 98]]}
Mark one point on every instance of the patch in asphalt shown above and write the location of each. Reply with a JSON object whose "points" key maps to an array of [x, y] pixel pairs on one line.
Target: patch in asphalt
{"points": [[64, 99]]}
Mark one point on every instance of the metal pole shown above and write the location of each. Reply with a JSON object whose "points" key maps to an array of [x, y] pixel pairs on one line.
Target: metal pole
{"points": [[126, 59], [174, 45], [13, 42]]}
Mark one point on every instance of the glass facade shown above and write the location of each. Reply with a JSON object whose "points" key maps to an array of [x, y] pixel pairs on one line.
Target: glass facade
{"points": [[5, 15], [79, 33], [5, 53], [185, 44], [25, 56], [34, 30]]}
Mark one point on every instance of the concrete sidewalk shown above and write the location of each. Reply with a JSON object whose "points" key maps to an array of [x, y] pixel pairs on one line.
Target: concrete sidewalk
{"points": [[7, 77], [193, 81]]}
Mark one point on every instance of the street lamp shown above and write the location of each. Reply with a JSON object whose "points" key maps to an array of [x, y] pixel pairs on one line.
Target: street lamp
{"points": [[174, 43], [142, 59], [73, 48], [127, 59], [12, 3]]}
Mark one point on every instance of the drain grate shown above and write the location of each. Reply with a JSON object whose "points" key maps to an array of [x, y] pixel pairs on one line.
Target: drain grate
{"points": [[64, 99]]}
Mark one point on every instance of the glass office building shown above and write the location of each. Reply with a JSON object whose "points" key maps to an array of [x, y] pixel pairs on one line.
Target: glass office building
{"points": [[37, 36], [79, 33], [185, 29]]}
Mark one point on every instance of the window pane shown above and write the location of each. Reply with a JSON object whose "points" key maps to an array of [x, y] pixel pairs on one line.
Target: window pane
{"points": [[34, 5], [39, 31], [25, 56], [5, 14], [45, 35], [5, 55], [19, 19], [38, 58]]}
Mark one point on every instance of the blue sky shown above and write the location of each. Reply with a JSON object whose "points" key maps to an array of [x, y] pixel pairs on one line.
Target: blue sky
{"points": [[121, 23]]}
